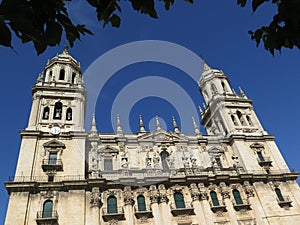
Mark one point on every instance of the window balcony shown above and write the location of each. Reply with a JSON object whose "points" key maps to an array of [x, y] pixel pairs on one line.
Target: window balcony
{"points": [[186, 210], [50, 164], [220, 207], [113, 214], [140, 213], [284, 202], [47, 218], [243, 205], [265, 161]]}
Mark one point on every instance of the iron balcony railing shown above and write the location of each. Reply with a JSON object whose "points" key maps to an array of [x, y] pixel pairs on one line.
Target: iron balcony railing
{"points": [[46, 215], [286, 198], [146, 208], [186, 209], [51, 164], [113, 210]]}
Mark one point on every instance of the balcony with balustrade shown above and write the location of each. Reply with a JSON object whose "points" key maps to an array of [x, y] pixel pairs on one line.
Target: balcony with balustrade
{"points": [[115, 213], [143, 212], [49, 164], [47, 218], [185, 209]]}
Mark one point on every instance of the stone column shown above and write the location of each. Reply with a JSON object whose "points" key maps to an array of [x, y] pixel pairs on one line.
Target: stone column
{"points": [[128, 205], [95, 205], [165, 209], [195, 193], [154, 199], [226, 198], [254, 203]]}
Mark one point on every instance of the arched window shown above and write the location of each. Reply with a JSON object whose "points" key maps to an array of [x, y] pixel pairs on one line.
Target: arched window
{"points": [[73, 77], [46, 113], [141, 203], [279, 195], [240, 116], [214, 198], [57, 111], [164, 155], [69, 114], [237, 197], [233, 120], [47, 209], [260, 156], [223, 86], [249, 120], [62, 74], [179, 200], [112, 206]]}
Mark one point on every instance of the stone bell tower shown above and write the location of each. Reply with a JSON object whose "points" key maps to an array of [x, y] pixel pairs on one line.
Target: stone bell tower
{"points": [[53, 144]]}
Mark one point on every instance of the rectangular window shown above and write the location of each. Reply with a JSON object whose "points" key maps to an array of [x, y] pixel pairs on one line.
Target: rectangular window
{"points": [[108, 164], [52, 158]]}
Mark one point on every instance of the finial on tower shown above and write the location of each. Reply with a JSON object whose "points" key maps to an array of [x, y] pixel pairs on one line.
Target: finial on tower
{"points": [[119, 127], [158, 127], [176, 129], [142, 127], [205, 66], [66, 49], [197, 131], [242, 92], [200, 110], [94, 127]]}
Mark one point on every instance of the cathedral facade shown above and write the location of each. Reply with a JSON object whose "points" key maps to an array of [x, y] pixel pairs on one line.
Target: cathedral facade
{"points": [[233, 175]]}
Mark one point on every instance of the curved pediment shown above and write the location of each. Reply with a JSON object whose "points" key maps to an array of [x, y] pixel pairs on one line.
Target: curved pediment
{"points": [[256, 145], [54, 144], [109, 149], [215, 150]]}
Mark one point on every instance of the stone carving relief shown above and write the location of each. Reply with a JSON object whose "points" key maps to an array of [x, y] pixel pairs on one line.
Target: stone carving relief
{"points": [[124, 163], [224, 190], [128, 196], [95, 197], [195, 193], [249, 190]]}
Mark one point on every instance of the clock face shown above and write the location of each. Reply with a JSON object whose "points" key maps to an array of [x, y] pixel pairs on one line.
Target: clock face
{"points": [[55, 130]]}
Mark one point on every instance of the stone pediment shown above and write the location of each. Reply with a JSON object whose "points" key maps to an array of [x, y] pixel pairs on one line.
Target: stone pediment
{"points": [[109, 149], [54, 144], [215, 150], [160, 136]]}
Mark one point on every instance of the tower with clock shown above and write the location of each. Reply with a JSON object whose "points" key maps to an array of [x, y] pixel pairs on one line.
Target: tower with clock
{"points": [[53, 144]]}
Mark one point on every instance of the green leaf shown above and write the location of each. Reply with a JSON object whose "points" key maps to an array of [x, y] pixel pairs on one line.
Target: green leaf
{"points": [[83, 30], [39, 46], [242, 3], [257, 3], [53, 33], [5, 35], [115, 20]]}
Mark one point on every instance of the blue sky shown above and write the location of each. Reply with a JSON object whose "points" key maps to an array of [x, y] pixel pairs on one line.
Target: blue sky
{"points": [[215, 30]]}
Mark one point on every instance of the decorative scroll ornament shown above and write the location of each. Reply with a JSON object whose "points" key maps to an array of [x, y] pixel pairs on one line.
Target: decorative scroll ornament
{"points": [[154, 194], [163, 193], [224, 190], [248, 189], [128, 196], [195, 193]]}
